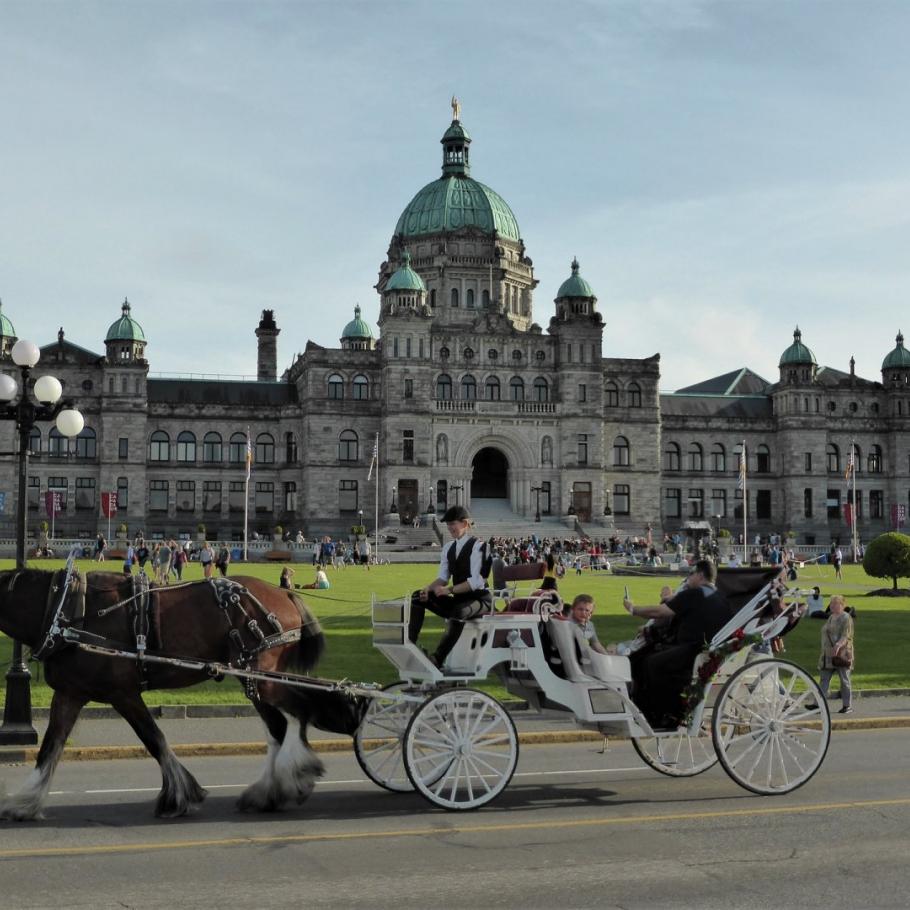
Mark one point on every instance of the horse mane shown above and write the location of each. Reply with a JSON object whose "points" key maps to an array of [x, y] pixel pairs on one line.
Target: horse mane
{"points": [[14, 576]]}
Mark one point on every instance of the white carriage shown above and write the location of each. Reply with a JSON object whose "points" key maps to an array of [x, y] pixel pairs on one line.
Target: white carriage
{"points": [[763, 718]]}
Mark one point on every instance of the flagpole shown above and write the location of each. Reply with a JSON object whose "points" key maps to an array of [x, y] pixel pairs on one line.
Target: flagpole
{"points": [[745, 466], [855, 512], [246, 493], [376, 517]]}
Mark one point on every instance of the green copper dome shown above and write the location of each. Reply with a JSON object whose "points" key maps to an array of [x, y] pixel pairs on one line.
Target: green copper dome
{"points": [[125, 328], [405, 278], [357, 328], [899, 358], [6, 327], [575, 285], [797, 352]]}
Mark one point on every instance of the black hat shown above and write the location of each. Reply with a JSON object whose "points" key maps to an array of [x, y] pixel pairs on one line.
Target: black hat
{"points": [[456, 513]]}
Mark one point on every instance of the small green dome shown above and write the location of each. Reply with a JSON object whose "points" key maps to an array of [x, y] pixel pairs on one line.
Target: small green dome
{"points": [[125, 328], [6, 327], [357, 328], [797, 353], [899, 358], [456, 131], [575, 285], [405, 278]]}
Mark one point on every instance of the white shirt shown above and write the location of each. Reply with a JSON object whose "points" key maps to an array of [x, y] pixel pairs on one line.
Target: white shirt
{"points": [[815, 603], [475, 580]]}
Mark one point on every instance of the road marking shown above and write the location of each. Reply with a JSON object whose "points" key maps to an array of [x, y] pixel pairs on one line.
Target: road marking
{"points": [[100, 849]]}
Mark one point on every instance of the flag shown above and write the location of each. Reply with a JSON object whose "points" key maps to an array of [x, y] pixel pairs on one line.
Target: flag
{"points": [[109, 504], [374, 458], [249, 454], [53, 502], [741, 483], [848, 514], [2, 502], [851, 465]]}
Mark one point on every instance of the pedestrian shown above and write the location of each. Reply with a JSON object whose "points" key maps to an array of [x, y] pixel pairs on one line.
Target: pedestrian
{"points": [[180, 560], [142, 553], [163, 563], [100, 547], [128, 560], [206, 559], [837, 655], [837, 558], [224, 559]]}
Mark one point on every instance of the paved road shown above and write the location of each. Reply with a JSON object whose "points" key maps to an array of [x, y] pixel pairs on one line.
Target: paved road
{"points": [[575, 829]]}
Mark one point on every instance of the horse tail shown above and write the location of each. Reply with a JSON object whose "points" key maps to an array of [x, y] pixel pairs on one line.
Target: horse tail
{"points": [[312, 639]]}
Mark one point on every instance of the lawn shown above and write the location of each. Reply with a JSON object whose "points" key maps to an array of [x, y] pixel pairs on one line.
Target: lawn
{"points": [[882, 628]]}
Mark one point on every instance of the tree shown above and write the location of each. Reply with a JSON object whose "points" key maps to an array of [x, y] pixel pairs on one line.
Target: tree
{"points": [[888, 556]]}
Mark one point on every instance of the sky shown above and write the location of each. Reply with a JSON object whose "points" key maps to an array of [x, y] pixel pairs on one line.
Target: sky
{"points": [[723, 171]]}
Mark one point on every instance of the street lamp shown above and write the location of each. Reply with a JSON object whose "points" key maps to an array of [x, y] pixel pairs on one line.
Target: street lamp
{"points": [[572, 501], [537, 491], [17, 726], [717, 523]]}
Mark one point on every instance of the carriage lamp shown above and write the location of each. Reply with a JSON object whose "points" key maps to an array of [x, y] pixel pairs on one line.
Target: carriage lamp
{"points": [[15, 404]]}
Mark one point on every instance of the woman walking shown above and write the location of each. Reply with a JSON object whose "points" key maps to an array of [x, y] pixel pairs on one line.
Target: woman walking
{"points": [[837, 651]]}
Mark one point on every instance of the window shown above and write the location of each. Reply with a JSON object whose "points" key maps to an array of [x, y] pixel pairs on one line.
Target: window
{"points": [[876, 504], [719, 502], [516, 356], [875, 461], [762, 460], [409, 388], [56, 444], [237, 448], [672, 457], [718, 458], [347, 495], [485, 298], [34, 493], [856, 457], [211, 448], [186, 446], [186, 495], [360, 388], [696, 457], [395, 346], [159, 446], [290, 496], [833, 504], [859, 502], [348, 446], [621, 452], [443, 353], [582, 448], [290, 448], [468, 354], [265, 449], [444, 388], [407, 347], [611, 395], [469, 297], [158, 495], [468, 388], [493, 354], [541, 389], [833, 455], [635, 396], [582, 392], [492, 390], [622, 499], [672, 500], [807, 463], [696, 503], [335, 386], [85, 493], [211, 496], [265, 496], [454, 297], [123, 493], [516, 389], [87, 444], [407, 446], [763, 504], [236, 496], [540, 356], [34, 441], [123, 448], [807, 502], [59, 485], [87, 385]]}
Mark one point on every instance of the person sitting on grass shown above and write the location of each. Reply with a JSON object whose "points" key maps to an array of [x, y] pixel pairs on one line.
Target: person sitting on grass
{"points": [[321, 582], [285, 581]]}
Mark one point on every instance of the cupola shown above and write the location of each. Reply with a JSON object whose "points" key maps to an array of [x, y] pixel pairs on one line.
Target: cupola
{"points": [[797, 363], [357, 334], [7, 334], [125, 341]]}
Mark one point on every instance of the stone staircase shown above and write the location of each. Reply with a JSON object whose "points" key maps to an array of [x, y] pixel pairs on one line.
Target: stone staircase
{"points": [[495, 518]]}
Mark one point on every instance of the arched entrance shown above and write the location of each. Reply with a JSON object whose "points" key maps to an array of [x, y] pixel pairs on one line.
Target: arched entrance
{"points": [[490, 478]]}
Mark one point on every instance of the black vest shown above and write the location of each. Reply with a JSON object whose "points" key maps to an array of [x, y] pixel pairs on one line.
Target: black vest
{"points": [[460, 565]]}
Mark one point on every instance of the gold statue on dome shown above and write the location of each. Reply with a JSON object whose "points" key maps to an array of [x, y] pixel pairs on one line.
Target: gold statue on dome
{"points": [[456, 108]]}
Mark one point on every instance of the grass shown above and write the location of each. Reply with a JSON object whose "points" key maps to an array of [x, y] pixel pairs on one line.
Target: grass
{"points": [[882, 628]]}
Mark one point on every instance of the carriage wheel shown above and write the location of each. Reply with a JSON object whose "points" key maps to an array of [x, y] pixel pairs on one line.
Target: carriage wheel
{"points": [[678, 754], [378, 740], [460, 749], [771, 727]]}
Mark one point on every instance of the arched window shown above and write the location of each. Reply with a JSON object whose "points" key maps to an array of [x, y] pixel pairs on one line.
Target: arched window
{"points": [[541, 389], [516, 389], [718, 458], [485, 297], [443, 353], [469, 297], [611, 395], [875, 460], [832, 453], [762, 460], [86, 444], [159, 446], [186, 446], [34, 441], [492, 389], [444, 388], [468, 353], [290, 448], [433, 297], [696, 457], [360, 388], [672, 457], [493, 354], [211, 448], [621, 452], [265, 448], [56, 443], [454, 297], [347, 446], [237, 449], [468, 388], [336, 386], [635, 395], [516, 355]]}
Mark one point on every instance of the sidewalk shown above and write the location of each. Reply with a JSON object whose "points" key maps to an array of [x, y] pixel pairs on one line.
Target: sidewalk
{"points": [[111, 737]]}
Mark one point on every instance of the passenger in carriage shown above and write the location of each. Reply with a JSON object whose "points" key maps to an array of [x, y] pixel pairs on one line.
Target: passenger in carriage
{"points": [[697, 613], [463, 561], [581, 613]]}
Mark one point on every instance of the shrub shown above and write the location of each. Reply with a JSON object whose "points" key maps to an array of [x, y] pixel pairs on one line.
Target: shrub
{"points": [[888, 556], [278, 530], [723, 532]]}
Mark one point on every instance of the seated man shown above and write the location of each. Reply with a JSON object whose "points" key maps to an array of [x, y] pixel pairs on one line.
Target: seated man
{"points": [[815, 604], [464, 561], [698, 612]]}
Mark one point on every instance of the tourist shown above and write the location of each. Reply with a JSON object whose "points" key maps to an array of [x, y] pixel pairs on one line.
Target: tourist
{"points": [[837, 654]]}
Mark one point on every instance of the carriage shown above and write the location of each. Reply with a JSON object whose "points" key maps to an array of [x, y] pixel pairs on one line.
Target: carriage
{"points": [[762, 718]]}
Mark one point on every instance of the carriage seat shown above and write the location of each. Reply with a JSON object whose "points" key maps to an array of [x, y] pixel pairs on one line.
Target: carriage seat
{"points": [[579, 662], [505, 579]]}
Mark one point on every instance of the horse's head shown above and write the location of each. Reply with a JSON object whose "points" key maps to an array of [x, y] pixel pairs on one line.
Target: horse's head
{"points": [[23, 598]]}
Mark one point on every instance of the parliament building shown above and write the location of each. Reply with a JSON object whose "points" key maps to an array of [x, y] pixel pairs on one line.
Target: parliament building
{"points": [[475, 393]]}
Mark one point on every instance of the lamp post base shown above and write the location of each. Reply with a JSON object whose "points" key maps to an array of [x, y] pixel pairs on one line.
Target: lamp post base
{"points": [[17, 729]]}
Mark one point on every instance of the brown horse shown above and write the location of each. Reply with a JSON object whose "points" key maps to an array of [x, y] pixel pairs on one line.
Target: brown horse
{"points": [[196, 620]]}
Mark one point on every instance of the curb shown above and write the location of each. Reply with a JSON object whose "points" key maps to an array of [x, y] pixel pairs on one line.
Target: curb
{"points": [[27, 755]]}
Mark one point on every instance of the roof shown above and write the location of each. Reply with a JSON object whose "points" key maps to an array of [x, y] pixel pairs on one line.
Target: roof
{"points": [[899, 358], [125, 328], [751, 407], [227, 392], [6, 327], [797, 352], [739, 382], [357, 328], [405, 278], [575, 285]]}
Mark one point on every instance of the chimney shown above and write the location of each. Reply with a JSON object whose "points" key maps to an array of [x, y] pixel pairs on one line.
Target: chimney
{"points": [[267, 348]]}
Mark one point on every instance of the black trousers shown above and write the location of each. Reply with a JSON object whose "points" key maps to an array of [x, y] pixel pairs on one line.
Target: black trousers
{"points": [[660, 680], [455, 608]]}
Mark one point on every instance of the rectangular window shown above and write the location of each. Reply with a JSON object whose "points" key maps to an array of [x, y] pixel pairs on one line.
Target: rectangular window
{"points": [[807, 465], [85, 492], [186, 495], [407, 446], [347, 495], [123, 448], [236, 495], [833, 504], [409, 388], [123, 494], [582, 448], [696, 503], [395, 346], [622, 499], [738, 508], [211, 495], [265, 496], [719, 502], [158, 495], [568, 353], [582, 392], [407, 347], [876, 504], [859, 501], [672, 500], [762, 461], [807, 502], [763, 504], [290, 496], [420, 348], [34, 493]]}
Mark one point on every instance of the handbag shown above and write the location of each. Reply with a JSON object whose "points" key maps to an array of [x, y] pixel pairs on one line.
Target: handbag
{"points": [[842, 660]]}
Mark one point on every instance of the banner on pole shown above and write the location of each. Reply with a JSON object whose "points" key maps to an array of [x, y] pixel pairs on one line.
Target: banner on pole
{"points": [[53, 502], [2, 503], [848, 514], [109, 504]]}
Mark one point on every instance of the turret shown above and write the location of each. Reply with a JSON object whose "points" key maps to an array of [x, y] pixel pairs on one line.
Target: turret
{"points": [[267, 348]]}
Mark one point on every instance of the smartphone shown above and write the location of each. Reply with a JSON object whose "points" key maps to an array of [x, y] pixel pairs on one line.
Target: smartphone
{"points": [[626, 593]]}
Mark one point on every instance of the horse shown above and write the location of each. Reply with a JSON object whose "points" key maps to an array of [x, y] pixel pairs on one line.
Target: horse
{"points": [[213, 621]]}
